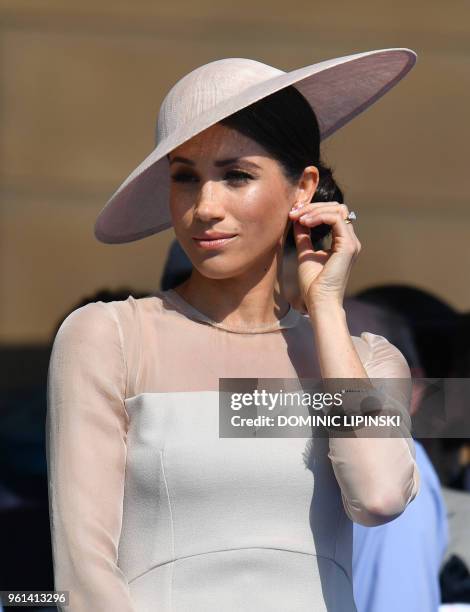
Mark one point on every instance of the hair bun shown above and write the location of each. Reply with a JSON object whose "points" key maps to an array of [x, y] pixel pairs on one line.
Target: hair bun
{"points": [[327, 190]]}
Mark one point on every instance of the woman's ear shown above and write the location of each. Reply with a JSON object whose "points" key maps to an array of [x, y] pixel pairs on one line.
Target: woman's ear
{"points": [[307, 185]]}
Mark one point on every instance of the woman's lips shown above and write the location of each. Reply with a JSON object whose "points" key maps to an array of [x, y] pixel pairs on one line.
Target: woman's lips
{"points": [[214, 243]]}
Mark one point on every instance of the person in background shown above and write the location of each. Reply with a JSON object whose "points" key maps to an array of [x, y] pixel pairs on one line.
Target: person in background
{"points": [[441, 336], [455, 576], [432, 322], [457, 450]]}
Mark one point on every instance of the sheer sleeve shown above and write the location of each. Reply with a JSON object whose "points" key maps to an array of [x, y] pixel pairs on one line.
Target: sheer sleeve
{"points": [[86, 454], [378, 476]]}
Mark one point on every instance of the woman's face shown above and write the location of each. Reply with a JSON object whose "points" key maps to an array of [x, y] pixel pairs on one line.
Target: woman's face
{"points": [[224, 182]]}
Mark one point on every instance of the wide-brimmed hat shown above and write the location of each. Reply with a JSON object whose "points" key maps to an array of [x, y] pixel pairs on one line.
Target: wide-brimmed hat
{"points": [[337, 89]]}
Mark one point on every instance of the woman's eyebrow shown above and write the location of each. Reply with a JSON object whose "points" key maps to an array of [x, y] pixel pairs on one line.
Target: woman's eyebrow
{"points": [[232, 160], [218, 163]]}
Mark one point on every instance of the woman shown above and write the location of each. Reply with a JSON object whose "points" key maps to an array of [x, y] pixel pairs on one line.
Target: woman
{"points": [[150, 508]]}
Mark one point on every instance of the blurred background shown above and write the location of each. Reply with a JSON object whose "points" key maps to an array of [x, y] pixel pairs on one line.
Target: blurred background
{"points": [[81, 85]]}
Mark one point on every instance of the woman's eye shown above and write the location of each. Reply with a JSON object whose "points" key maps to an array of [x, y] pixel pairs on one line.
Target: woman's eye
{"points": [[182, 177], [239, 176], [232, 175]]}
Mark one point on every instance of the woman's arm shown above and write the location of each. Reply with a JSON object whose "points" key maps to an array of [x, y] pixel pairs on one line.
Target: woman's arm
{"points": [[86, 456], [378, 476]]}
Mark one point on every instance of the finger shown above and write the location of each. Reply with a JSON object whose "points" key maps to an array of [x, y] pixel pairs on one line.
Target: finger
{"points": [[295, 213], [352, 231], [304, 246], [328, 206], [313, 205], [302, 239], [335, 219]]}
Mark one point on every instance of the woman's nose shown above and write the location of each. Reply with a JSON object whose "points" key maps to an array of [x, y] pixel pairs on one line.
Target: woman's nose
{"points": [[209, 202]]}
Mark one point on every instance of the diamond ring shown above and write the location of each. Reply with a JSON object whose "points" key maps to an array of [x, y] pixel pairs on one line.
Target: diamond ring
{"points": [[351, 217]]}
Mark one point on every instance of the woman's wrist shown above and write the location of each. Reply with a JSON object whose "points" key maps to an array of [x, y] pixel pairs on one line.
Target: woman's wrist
{"points": [[337, 355], [324, 310]]}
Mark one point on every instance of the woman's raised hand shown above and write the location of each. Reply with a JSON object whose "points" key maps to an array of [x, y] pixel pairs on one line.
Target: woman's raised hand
{"points": [[323, 275]]}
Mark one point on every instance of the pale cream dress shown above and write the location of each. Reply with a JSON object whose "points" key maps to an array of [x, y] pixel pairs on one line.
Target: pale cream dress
{"points": [[151, 511]]}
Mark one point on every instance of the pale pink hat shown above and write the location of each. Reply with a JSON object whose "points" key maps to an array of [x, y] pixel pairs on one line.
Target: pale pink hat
{"points": [[337, 89]]}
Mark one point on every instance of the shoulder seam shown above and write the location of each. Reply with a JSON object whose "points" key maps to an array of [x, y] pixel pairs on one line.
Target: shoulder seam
{"points": [[121, 343], [138, 373]]}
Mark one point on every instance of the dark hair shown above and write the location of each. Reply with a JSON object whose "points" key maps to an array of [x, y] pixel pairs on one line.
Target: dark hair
{"points": [[460, 363], [432, 320], [285, 124]]}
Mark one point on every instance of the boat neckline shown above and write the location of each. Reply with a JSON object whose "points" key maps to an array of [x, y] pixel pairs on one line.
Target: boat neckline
{"points": [[290, 319]]}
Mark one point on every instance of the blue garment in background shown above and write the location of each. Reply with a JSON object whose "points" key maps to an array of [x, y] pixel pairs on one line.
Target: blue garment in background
{"points": [[396, 565]]}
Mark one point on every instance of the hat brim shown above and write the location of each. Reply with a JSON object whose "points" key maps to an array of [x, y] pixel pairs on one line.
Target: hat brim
{"points": [[338, 90]]}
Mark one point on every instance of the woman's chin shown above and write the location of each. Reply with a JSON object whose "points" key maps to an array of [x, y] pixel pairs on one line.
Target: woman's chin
{"points": [[219, 268]]}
